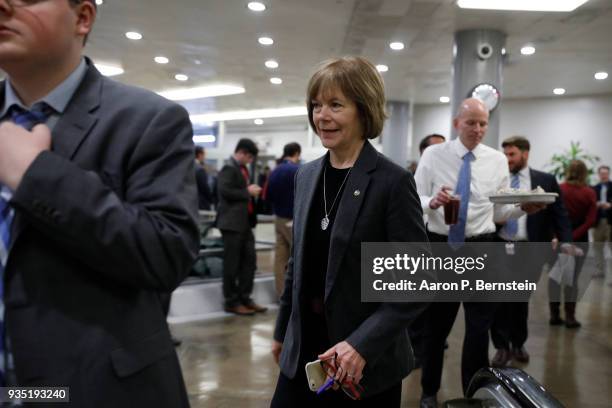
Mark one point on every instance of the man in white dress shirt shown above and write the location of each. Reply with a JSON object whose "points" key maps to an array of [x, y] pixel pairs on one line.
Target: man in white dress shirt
{"points": [[440, 171]]}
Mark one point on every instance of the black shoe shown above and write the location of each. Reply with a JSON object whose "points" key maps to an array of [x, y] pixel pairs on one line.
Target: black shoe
{"points": [[520, 354], [428, 401], [501, 358], [572, 323], [240, 310], [556, 321], [255, 307]]}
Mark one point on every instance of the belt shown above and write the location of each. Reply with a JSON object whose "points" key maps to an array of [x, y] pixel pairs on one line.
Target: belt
{"points": [[490, 237]]}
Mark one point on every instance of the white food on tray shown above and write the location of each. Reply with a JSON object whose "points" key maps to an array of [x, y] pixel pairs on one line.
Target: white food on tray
{"points": [[516, 196]]}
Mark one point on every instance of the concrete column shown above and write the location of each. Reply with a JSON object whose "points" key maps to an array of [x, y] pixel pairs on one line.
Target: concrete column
{"points": [[471, 69], [396, 131]]}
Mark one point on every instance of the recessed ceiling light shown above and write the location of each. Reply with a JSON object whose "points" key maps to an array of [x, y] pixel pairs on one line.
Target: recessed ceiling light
{"points": [[201, 92], [133, 35], [161, 60], [525, 5], [444, 99], [258, 122], [397, 46], [99, 2], [504, 51], [528, 50], [559, 91], [251, 114], [256, 6], [204, 138], [276, 81], [601, 75], [265, 40], [382, 68], [109, 70], [181, 77], [197, 62], [271, 64]]}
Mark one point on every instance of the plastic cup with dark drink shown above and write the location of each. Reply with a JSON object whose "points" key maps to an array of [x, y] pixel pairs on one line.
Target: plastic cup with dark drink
{"points": [[451, 210]]}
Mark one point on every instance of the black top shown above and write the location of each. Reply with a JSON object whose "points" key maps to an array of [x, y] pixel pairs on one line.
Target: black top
{"points": [[316, 250]]}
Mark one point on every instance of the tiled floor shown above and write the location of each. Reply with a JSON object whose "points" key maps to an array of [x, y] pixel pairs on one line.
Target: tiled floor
{"points": [[227, 362]]}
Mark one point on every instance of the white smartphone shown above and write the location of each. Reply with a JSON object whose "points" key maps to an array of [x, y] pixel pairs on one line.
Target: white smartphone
{"points": [[315, 375]]}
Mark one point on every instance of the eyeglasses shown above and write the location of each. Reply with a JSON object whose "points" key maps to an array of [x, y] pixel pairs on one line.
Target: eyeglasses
{"points": [[351, 389]]}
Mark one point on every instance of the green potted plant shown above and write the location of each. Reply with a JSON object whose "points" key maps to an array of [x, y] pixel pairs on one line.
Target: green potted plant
{"points": [[560, 162]]}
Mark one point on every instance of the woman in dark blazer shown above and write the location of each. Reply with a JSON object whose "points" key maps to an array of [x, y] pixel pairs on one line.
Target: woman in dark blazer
{"points": [[352, 194]]}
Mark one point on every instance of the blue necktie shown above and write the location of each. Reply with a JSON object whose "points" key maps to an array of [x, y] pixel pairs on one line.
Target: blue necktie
{"points": [[512, 224], [456, 233], [26, 119]]}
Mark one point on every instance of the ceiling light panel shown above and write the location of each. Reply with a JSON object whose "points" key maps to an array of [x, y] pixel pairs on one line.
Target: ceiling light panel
{"points": [[522, 5], [201, 92], [251, 114]]}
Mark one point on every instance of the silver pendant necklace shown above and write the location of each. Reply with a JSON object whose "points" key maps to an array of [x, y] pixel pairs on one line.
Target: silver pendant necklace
{"points": [[325, 220]]}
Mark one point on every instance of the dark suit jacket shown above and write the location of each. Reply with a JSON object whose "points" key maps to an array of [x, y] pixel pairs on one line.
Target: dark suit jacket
{"points": [[388, 209], [204, 195], [232, 211], [600, 212], [105, 221], [553, 221]]}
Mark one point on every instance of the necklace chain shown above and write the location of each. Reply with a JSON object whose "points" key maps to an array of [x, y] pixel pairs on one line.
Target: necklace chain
{"points": [[325, 220]]}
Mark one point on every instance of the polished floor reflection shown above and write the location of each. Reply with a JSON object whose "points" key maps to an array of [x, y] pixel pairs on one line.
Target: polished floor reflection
{"points": [[227, 363]]}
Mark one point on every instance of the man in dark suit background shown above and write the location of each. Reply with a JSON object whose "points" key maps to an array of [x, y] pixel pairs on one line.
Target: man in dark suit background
{"points": [[205, 198], [98, 215], [236, 219], [509, 329], [603, 227]]}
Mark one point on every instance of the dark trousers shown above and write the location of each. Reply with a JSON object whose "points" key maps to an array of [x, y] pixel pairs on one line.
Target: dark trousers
{"points": [[475, 354], [294, 392], [239, 265], [509, 327]]}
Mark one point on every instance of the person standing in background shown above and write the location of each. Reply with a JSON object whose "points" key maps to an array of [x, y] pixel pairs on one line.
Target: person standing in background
{"points": [[236, 219], [581, 204], [280, 190], [510, 329], [430, 140], [205, 198], [98, 215], [602, 234]]}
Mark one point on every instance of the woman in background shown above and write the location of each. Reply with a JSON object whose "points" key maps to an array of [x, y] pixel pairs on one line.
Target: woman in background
{"points": [[581, 204]]}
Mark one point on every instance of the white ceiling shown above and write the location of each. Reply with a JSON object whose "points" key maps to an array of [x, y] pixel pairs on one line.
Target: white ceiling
{"points": [[215, 41]]}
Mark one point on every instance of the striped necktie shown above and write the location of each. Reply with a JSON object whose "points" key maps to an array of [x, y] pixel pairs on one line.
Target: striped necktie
{"points": [[26, 119]]}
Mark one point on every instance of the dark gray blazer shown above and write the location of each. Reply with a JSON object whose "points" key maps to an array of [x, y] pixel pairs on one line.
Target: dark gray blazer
{"points": [[387, 209], [232, 211], [104, 222], [553, 221]]}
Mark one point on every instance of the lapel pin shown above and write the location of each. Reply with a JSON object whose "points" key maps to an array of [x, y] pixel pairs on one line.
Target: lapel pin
{"points": [[356, 193]]}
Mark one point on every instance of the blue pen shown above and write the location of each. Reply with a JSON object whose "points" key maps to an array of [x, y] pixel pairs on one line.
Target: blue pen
{"points": [[325, 386]]}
